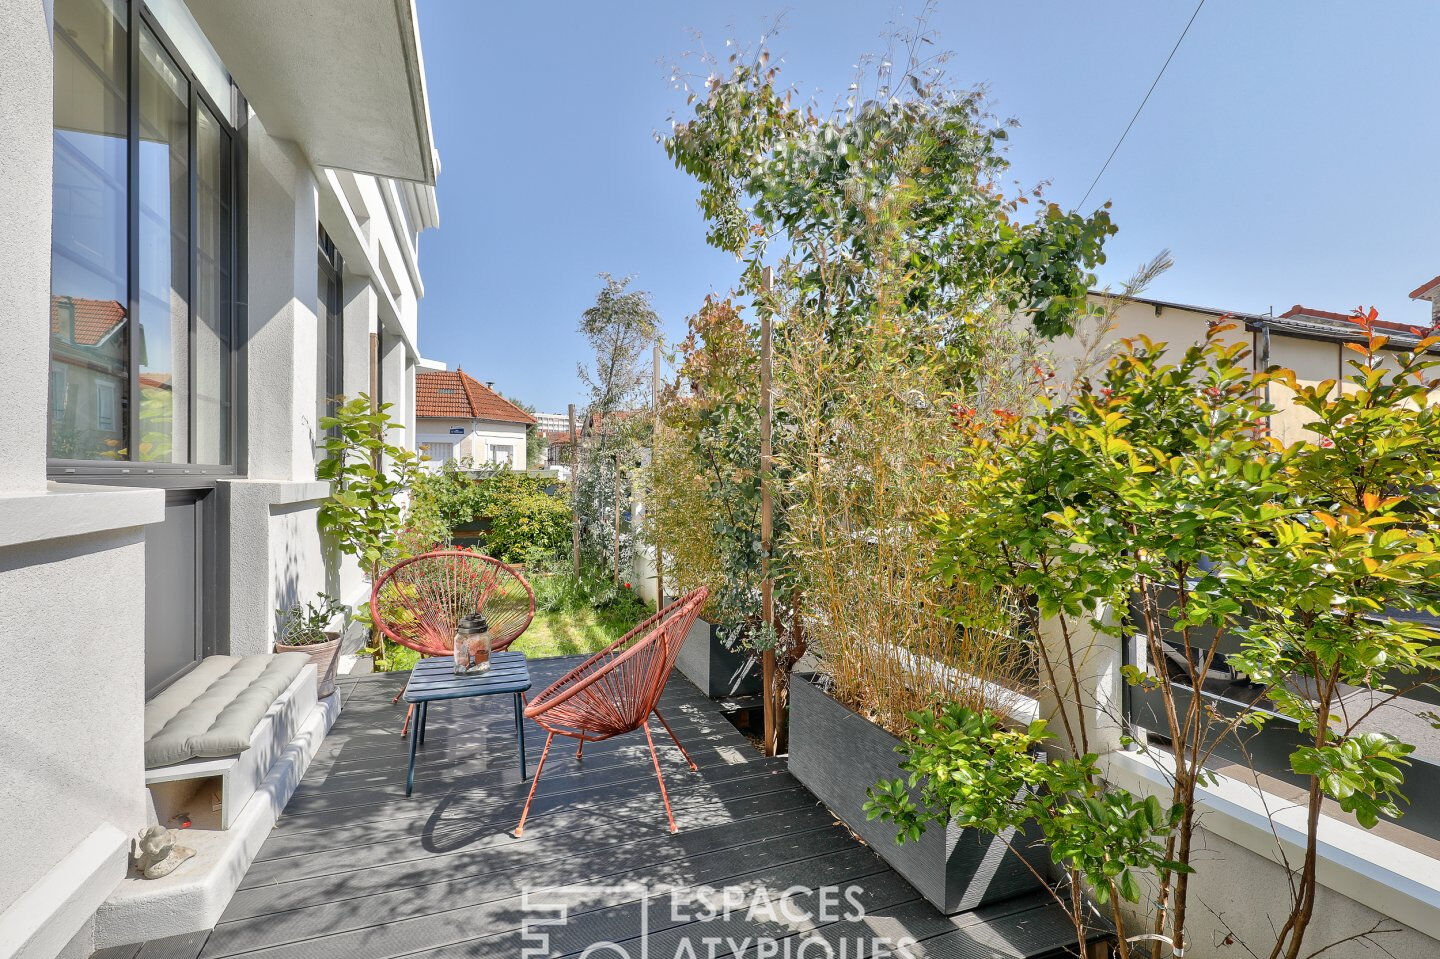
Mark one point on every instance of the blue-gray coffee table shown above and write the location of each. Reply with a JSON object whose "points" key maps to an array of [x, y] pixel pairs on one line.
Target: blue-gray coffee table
{"points": [[434, 679]]}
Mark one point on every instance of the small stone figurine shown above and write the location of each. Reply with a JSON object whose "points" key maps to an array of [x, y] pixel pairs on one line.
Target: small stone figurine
{"points": [[156, 853], [472, 644]]}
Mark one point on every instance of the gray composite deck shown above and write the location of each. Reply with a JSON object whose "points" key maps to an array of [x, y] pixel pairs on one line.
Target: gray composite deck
{"points": [[355, 870]]}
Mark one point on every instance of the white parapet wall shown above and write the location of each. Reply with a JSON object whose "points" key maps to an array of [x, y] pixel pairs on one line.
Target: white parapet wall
{"points": [[71, 707]]}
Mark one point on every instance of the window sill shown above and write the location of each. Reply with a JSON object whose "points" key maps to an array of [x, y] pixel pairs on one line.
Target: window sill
{"points": [[69, 509], [1384, 875]]}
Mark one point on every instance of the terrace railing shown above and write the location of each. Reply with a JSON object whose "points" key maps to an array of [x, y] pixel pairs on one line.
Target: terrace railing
{"points": [[1266, 751]]}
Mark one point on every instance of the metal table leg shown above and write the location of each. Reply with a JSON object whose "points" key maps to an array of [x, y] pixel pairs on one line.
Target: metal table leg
{"points": [[520, 736], [415, 728], [424, 715]]}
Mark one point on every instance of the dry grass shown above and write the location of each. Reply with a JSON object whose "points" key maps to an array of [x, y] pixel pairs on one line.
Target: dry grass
{"points": [[868, 467]]}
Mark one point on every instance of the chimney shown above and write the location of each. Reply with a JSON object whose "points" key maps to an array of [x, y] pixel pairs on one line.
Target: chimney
{"points": [[1429, 291], [489, 384]]}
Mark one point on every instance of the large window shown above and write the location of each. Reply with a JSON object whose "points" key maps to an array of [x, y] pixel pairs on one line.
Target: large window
{"points": [[330, 312], [142, 261]]}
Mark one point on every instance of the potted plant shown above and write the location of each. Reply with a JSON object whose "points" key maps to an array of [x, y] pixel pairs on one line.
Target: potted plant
{"points": [[305, 628], [366, 509]]}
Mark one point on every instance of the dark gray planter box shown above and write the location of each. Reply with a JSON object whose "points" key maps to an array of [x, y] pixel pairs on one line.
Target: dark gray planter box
{"points": [[838, 754], [717, 671]]}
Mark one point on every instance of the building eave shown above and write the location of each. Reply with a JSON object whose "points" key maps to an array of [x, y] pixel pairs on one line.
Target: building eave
{"points": [[346, 83]]}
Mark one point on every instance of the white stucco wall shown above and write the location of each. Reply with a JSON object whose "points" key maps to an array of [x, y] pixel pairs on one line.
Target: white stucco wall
{"points": [[281, 342], [479, 436], [1241, 886], [1237, 889], [69, 771], [72, 600], [71, 718], [26, 90]]}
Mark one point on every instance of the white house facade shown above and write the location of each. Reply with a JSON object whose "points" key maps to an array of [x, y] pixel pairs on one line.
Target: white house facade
{"points": [[211, 219], [459, 418]]}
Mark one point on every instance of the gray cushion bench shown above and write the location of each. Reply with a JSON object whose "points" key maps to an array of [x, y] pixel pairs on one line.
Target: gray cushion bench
{"points": [[214, 733]]}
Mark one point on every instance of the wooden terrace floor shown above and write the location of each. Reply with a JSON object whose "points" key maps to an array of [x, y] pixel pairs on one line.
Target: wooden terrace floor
{"points": [[355, 870]]}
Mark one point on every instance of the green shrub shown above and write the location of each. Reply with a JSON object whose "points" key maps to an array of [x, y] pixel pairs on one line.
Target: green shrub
{"points": [[524, 517], [561, 591]]}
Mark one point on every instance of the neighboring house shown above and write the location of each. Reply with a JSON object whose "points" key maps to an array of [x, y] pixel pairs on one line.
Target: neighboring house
{"points": [[211, 213], [560, 447], [1308, 341], [552, 422], [459, 418]]}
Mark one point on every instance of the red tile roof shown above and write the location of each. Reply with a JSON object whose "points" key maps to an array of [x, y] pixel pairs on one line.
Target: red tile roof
{"points": [[94, 319], [456, 394], [1298, 312], [1423, 291]]}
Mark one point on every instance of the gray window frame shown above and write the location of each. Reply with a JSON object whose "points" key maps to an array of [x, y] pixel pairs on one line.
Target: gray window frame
{"points": [[140, 472]]}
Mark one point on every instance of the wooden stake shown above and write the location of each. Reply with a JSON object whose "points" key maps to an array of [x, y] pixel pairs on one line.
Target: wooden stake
{"points": [[574, 485], [654, 454], [767, 524]]}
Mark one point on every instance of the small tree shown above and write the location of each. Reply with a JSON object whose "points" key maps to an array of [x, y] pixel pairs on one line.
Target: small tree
{"points": [[1157, 506], [1336, 586], [621, 327], [366, 510], [536, 445], [887, 206]]}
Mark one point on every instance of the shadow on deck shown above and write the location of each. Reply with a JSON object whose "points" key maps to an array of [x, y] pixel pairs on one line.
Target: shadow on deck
{"points": [[355, 870]]}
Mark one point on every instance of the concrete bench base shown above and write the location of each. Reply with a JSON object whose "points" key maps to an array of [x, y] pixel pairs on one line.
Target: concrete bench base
{"points": [[260, 783], [193, 787]]}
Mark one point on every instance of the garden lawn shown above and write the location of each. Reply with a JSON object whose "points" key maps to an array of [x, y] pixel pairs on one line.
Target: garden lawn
{"points": [[567, 632]]}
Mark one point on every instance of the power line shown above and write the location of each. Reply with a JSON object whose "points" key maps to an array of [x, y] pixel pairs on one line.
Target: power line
{"points": [[1153, 84]]}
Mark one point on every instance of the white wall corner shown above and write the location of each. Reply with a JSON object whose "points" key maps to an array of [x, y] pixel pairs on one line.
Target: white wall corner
{"points": [[26, 77], [48, 915], [282, 351]]}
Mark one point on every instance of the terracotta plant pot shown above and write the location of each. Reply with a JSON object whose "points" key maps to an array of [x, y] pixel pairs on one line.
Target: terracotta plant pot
{"points": [[325, 656]]}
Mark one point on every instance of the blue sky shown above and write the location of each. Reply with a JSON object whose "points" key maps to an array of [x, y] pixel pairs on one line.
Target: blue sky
{"points": [[1288, 155]]}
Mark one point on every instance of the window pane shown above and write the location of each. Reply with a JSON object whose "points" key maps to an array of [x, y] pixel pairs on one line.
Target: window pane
{"points": [[164, 256], [330, 320], [89, 319], [212, 293]]}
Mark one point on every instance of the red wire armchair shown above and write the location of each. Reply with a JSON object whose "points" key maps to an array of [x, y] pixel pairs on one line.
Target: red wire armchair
{"points": [[616, 690], [417, 602]]}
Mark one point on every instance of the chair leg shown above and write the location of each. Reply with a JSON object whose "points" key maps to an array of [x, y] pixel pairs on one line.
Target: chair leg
{"points": [[664, 797], [579, 748], [693, 767], [409, 714], [520, 829]]}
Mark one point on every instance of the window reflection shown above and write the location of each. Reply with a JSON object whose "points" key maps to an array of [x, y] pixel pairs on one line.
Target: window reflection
{"points": [[167, 369], [212, 295], [164, 255], [89, 326]]}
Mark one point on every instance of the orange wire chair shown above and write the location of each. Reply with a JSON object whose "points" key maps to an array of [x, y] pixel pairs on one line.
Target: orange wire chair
{"points": [[616, 690], [418, 601]]}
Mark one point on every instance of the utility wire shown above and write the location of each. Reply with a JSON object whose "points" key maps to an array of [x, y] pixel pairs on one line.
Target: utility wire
{"points": [[1153, 84]]}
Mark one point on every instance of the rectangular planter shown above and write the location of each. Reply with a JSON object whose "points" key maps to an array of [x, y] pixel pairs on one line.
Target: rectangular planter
{"points": [[838, 754], [718, 672]]}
